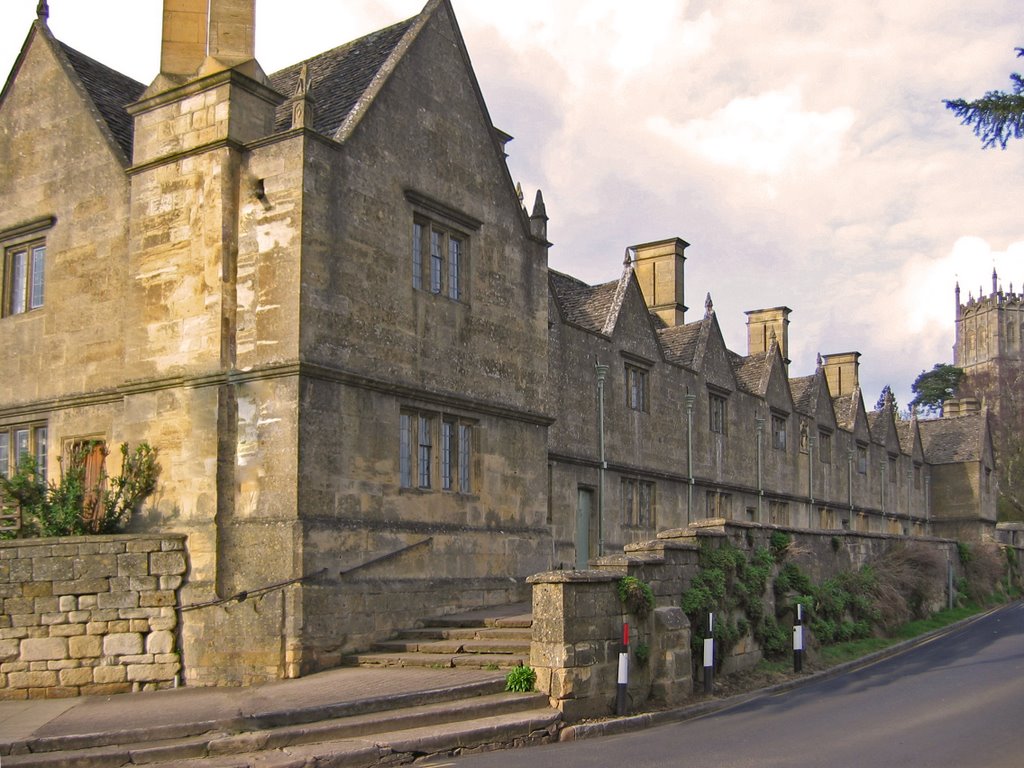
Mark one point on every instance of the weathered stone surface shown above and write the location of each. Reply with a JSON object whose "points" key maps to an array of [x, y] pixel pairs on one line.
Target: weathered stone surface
{"points": [[122, 644], [42, 649]]}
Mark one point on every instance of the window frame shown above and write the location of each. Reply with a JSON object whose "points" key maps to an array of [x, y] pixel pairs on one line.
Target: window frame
{"points": [[780, 431], [862, 458], [637, 388], [36, 444], [24, 288], [824, 446], [639, 503], [436, 451], [441, 248], [718, 413]]}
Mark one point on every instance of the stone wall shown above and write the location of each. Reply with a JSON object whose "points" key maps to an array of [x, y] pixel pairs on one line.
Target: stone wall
{"points": [[578, 617], [89, 615]]}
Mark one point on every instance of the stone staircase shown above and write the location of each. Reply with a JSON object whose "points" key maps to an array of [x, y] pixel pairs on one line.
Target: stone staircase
{"points": [[358, 736], [489, 638]]}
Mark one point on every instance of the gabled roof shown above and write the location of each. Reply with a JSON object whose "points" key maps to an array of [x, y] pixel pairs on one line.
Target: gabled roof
{"points": [[681, 342], [110, 92], [845, 408], [804, 394], [954, 439], [338, 78], [752, 372], [878, 425], [905, 433], [593, 308]]}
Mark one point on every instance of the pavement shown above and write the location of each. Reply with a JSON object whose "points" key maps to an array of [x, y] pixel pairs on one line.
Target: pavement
{"points": [[185, 712], [182, 712]]}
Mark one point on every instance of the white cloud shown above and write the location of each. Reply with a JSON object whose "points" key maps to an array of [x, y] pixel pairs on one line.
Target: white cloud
{"points": [[766, 135]]}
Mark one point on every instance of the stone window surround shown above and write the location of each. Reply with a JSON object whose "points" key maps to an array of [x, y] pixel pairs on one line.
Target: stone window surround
{"points": [[639, 503], [780, 430], [29, 239], [440, 247], [718, 411], [436, 451]]}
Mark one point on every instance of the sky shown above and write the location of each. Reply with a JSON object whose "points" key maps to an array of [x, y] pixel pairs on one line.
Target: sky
{"points": [[800, 147]]}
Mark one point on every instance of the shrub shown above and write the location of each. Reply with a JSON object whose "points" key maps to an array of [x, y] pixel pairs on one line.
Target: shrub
{"points": [[636, 595], [521, 679], [78, 504]]}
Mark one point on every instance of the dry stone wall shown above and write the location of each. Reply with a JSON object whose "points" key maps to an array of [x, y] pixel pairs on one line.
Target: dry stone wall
{"points": [[89, 615], [578, 617]]}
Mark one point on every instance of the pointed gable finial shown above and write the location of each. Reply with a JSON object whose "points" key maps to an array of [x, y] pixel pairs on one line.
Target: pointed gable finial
{"points": [[302, 101], [519, 192], [539, 217], [302, 84], [43, 11], [821, 363], [709, 307], [995, 279]]}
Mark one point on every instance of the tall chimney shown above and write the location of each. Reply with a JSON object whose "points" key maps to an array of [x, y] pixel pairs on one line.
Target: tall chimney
{"points": [[659, 270], [763, 325], [185, 28], [842, 372]]}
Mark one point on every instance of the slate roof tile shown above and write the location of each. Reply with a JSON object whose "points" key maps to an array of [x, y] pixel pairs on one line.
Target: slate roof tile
{"points": [[804, 394], [586, 306], [338, 77], [953, 439], [111, 92], [750, 371], [681, 342]]}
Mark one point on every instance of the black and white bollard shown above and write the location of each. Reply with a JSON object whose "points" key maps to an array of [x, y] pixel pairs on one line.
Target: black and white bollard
{"points": [[621, 696], [798, 639], [709, 656]]}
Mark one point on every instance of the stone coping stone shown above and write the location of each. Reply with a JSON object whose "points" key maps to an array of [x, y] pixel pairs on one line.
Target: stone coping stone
{"points": [[567, 577]]}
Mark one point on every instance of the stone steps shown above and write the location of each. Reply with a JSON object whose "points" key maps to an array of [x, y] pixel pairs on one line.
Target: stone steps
{"points": [[497, 638], [358, 739]]}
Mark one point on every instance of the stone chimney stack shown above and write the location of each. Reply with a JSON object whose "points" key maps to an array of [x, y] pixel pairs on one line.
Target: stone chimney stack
{"points": [[842, 372], [658, 268], [765, 324], [183, 44]]}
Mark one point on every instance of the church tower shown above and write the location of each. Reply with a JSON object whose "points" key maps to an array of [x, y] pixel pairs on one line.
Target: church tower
{"points": [[990, 350]]}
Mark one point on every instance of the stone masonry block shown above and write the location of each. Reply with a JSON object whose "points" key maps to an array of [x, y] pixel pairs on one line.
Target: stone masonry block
{"points": [[81, 587], [75, 677], [9, 649], [143, 673], [67, 603], [44, 648], [52, 569], [85, 647], [122, 644], [67, 630], [135, 564], [167, 563], [118, 600], [43, 679], [95, 567], [37, 589], [116, 674]]}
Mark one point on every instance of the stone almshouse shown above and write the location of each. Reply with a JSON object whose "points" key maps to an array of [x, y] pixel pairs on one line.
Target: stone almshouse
{"points": [[318, 294]]}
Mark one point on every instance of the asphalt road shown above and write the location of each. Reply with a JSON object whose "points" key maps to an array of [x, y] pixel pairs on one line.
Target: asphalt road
{"points": [[955, 701]]}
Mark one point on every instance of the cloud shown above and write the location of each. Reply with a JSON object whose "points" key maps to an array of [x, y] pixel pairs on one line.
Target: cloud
{"points": [[765, 135]]}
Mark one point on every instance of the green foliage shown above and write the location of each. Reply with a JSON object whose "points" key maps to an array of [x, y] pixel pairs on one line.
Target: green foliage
{"points": [[773, 639], [642, 654], [636, 595], [996, 117], [932, 388], [791, 579], [779, 542], [521, 679], [963, 551], [76, 505]]}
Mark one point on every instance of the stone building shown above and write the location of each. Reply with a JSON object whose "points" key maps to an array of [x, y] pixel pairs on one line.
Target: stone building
{"points": [[318, 294], [990, 349]]}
